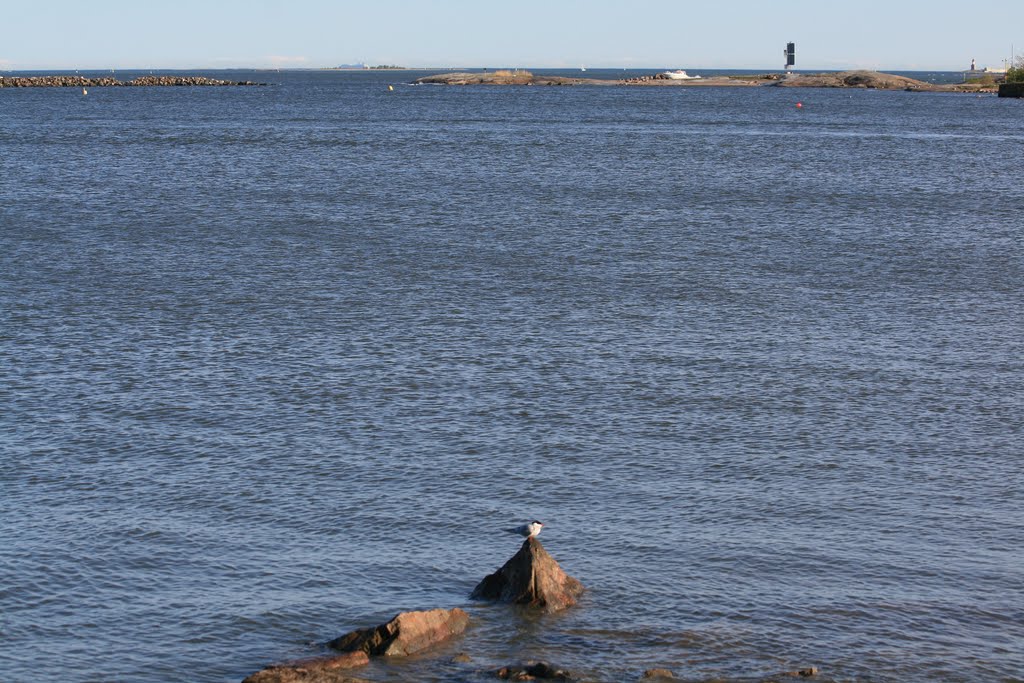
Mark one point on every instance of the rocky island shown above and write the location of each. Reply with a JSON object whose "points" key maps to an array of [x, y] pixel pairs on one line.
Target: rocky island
{"points": [[108, 81], [531, 579], [843, 79]]}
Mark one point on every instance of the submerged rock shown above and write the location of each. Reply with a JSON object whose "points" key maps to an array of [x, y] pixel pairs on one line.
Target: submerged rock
{"points": [[533, 671], [658, 674], [320, 670], [531, 577], [406, 634], [806, 672]]}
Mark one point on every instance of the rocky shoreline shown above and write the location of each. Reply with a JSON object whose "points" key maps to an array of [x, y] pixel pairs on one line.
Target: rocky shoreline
{"points": [[531, 582], [872, 80], [531, 579], [107, 81]]}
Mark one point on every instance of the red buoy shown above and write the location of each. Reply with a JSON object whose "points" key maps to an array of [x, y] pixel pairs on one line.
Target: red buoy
{"points": [[799, 105]]}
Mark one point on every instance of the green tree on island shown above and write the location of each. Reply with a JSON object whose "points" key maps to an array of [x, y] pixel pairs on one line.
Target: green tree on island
{"points": [[1015, 74]]}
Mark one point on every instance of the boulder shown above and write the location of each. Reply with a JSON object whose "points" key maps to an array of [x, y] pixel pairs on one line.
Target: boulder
{"points": [[406, 634], [320, 670], [658, 674], [533, 578]]}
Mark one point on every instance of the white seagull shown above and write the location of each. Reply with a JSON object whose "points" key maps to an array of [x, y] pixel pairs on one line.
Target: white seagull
{"points": [[528, 530]]}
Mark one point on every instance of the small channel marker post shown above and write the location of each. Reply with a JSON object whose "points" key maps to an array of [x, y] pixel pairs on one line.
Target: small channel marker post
{"points": [[790, 54]]}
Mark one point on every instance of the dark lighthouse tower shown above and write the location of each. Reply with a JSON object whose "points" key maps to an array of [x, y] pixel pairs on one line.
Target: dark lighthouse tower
{"points": [[790, 53]]}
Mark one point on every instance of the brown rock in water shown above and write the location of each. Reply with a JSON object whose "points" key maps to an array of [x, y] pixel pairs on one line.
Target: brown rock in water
{"points": [[320, 670], [658, 674], [406, 634], [531, 577]]}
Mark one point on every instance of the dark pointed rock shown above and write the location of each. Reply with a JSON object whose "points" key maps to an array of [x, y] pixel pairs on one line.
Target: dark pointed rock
{"points": [[531, 577], [406, 634]]}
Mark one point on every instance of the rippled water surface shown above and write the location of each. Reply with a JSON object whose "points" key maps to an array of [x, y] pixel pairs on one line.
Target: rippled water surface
{"points": [[279, 362]]}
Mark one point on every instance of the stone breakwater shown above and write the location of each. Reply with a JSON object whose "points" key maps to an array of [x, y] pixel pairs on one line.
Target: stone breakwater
{"points": [[106, 81]]}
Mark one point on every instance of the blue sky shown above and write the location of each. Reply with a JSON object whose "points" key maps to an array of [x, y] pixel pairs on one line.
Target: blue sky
{"points": [[191, 34]]}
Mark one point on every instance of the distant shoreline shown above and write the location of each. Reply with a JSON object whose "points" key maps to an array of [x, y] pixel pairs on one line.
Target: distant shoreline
{"points": [[872, 80]]}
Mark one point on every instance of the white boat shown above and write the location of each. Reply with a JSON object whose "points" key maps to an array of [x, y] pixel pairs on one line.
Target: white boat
{"points": [[680, 75]]}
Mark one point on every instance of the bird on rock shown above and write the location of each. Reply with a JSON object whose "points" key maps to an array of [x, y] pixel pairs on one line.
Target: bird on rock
{"points": [[528, 530]]}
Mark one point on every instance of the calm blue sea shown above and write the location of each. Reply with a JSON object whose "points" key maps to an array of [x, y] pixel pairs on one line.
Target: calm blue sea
{"points": [[279, 362]]}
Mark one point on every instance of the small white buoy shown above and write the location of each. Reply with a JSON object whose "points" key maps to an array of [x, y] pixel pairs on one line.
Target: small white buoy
{"points": [[391, 88], [84, 91]]}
